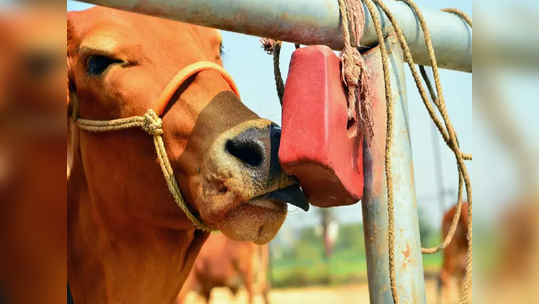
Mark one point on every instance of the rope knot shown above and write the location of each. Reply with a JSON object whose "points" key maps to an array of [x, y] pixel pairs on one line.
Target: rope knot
{"points": [[354, 71], [269, 45], [152, 123], [351, 71], [351, 66], [356, 77]]}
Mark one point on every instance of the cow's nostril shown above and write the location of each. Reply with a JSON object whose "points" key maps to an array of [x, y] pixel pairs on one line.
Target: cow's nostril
{"points": [[249, 152]]}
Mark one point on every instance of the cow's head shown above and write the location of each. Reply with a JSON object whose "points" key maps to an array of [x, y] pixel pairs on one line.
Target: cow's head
{"points": [[223, 155]]}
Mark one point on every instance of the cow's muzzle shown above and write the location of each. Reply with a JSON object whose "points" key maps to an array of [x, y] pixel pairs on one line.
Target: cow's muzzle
{"points": [[251, 150]]}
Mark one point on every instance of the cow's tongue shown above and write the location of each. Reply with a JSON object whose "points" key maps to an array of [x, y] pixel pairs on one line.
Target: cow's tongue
{"points": [[292, 195]]}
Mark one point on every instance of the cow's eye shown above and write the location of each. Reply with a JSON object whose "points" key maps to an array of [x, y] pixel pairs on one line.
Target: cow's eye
{"points": [[97, 64]]}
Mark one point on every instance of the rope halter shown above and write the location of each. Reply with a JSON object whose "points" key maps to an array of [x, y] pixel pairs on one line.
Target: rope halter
{"points": [[151, 123]]}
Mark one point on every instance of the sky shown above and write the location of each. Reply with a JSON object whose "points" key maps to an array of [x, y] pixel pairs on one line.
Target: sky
{"points": [[252, 70]]}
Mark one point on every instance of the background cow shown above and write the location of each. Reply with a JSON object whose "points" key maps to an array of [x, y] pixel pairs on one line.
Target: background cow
{"points": [[223, 262], [454, 255], [32, 146]]}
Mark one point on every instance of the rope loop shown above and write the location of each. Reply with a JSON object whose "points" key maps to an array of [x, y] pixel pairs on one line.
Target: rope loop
{"points": [[448, 133], [152, 123]]}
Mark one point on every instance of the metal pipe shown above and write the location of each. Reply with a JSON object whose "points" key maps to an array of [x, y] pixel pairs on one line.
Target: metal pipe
{"points": [[408, 259], [310, 22]]}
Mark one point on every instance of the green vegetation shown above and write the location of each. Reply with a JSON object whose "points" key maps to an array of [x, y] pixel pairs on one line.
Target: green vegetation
{"points": [[304, 264]]}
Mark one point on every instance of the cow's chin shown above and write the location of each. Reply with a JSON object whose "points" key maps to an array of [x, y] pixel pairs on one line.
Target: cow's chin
{"points": [[238, 207], [255, 221]]}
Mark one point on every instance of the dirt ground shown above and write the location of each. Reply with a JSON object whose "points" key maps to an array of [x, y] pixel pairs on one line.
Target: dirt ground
{"points": [[350, 294]]}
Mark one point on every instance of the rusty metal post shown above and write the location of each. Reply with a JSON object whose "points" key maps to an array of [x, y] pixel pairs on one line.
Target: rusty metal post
{"points": [[409, 266], [310, 22]]}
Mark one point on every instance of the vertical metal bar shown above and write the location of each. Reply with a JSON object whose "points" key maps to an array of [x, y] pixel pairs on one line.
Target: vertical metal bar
{"points": [[409, 265]]}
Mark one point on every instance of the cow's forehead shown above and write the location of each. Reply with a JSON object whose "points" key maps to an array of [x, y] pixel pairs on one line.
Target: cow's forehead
{"points": [[129, 28], [85, 24]]}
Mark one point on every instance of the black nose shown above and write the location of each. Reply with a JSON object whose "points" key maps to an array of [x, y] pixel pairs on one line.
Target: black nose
{"points": [[257, 148]]}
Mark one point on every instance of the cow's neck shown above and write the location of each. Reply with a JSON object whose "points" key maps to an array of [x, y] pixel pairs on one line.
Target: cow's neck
{"points": [[115, 259]]}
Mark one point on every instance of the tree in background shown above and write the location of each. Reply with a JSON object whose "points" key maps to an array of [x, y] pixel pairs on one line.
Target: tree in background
{"points": [[327, 219]]}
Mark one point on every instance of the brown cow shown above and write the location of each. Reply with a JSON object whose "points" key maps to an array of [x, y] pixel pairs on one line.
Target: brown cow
{"points": [[128, 242], [223, 262], [454, 255], [32, 145]]}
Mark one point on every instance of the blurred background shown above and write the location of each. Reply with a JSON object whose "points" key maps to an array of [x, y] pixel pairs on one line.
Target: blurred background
{"points": [[298, 255], [319, 256]]}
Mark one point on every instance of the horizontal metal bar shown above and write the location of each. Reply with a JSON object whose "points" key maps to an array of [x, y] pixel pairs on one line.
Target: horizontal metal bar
{"points": [[311, 22]]}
